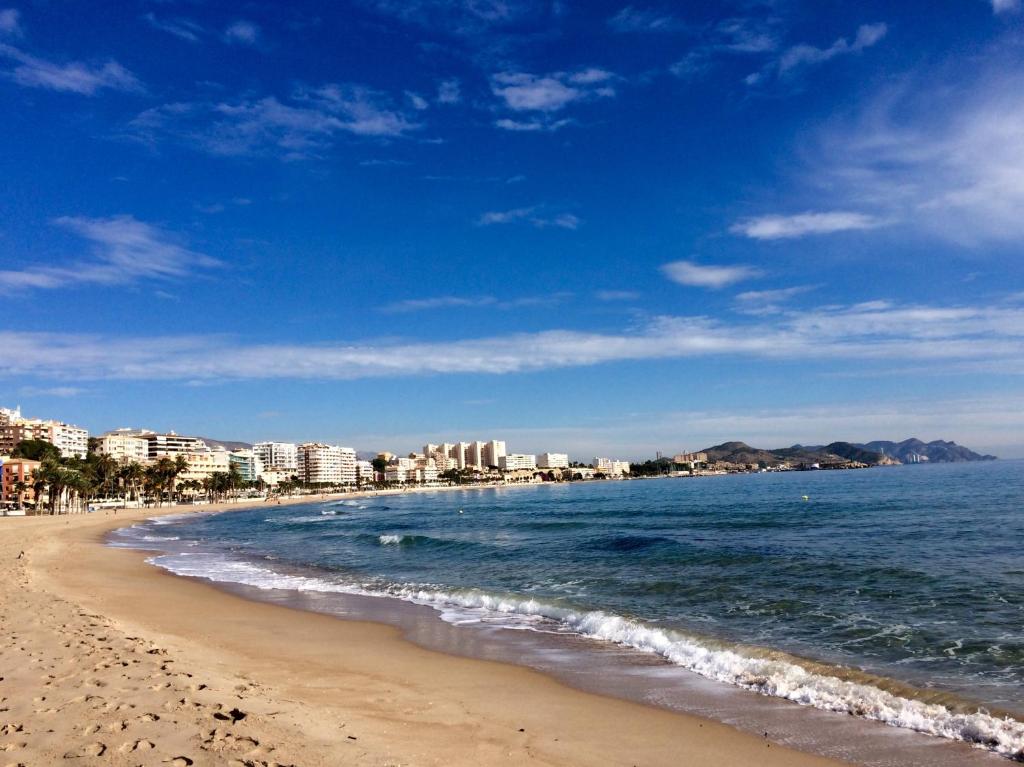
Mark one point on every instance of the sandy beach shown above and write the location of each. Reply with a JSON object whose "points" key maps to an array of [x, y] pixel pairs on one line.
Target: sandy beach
{"points": [[108, 660]]}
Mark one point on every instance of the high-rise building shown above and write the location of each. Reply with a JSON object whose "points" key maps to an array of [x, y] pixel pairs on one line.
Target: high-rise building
{"points": [[458, 453], [70, 440], [493, 452], [249, 465], [326, 464], [611, 467], [278, 455], [553, 461], [475, 455]]}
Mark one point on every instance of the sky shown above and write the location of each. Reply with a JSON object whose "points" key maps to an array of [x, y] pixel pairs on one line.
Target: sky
{"points": [[599, 228]]}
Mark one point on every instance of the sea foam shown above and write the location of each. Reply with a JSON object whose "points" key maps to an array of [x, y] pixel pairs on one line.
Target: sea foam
{"points": [[776, 677]]}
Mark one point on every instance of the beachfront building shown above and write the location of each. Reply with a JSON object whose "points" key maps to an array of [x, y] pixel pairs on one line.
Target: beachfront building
{"points": [[273, 477], [326, 464], [170, 445], [203, 464], [16, 481], [610, 467], [516, 462], [365, 473], [493, 452], [690, 460], [553, 461], [278, 455], [475, 455], [70, 440], [123, 448], [249, 465]]}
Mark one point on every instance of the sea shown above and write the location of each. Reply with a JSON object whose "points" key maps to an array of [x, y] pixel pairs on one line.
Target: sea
{"points": [[817, 606]]}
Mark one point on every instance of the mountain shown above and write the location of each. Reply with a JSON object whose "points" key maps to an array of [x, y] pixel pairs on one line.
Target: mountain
{"points": [[226, 444], [937, 451], [742, 453]]}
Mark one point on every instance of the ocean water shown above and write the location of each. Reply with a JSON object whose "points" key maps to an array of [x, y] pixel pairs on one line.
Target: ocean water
{"points": [[894, 594]]}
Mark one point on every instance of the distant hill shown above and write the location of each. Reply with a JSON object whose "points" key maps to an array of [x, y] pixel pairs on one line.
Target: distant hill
{"points": [[879, 452], [226, 444], [937, 451]]}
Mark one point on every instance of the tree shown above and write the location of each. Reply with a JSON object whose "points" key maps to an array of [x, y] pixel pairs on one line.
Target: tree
{"points": [[35, 450]]}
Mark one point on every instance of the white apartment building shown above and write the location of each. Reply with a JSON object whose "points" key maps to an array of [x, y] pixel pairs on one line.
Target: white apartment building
{"points": [[516, 461], [279, 455], [249, 465], [328, 464], [611, 467], [123, 447], [365, 473], [203, 464], [70, 440], [458, 452], [171, 444], [493, 451], [553, 461], [475, 455]]}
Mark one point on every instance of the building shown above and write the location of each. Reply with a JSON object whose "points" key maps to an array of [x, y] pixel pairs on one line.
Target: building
{"points": [[203, 464], [326, 464], [274, 477], [611, 468], [493, 451], [16, 478], [365, 473], [249, 465], [123, 448], [458, 453], [278, 455], [553, 461], [690, 459], [71, 441], [475, 455], [516, 462], [171, 444]]}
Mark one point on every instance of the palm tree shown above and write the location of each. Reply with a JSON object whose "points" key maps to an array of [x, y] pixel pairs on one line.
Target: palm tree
{"points": [[20, 488]]}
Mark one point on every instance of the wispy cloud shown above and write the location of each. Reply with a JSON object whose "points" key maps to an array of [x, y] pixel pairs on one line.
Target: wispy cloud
{"points": [[762, 302], [777, 227], [633, 19], [51, 391], [242, 32], [876, 332], [1005, 6], [474, 302], [616, 295], [944, 160], [804, 55], [79, 77], [449, 92], [532, 215], [308, 124], [467, 18], [737, 36], [705, 276], [10, 22], [540, 97], [181, 28], [124, 250]]}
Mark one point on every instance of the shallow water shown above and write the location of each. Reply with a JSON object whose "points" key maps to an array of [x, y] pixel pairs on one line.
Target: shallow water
{"points": [[896, 594]]}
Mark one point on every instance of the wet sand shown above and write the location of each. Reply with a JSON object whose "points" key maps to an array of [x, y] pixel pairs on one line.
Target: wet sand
{"points": [[107, 660]]}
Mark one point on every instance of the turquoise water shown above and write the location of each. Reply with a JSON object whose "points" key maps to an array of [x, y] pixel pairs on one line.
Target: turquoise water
{"points": [[914, 574]]}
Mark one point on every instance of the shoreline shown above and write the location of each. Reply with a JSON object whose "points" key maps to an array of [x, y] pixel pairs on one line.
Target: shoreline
{"points": [[308, 687]]}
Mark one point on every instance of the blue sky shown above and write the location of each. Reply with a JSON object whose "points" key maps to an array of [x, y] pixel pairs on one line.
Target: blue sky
{"points": [[587, 227]]}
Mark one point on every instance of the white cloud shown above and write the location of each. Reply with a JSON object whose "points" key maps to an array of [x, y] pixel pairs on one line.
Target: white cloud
{"points": [[943, 159], [631, 19], [531, 216], [872, 333], [738, 36], [74, 77], [616, 295], [124, 250], [10, 22], [449, 92], [474, 302], [803, 55], [181, 28], [417, 101], [546, 95], [1005, 6], [51, 391], [702, 276], [776, 227], [242, 32], [308, 125]]}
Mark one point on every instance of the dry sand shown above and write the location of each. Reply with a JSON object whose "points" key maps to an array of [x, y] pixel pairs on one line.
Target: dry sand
{"points": [[107, 660]]}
